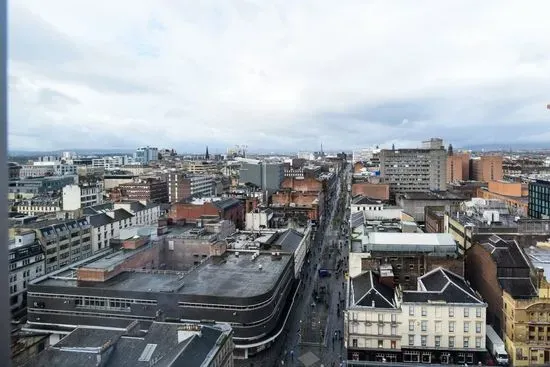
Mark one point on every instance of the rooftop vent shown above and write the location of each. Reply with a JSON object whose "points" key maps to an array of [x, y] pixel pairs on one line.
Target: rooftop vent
{"points": [[260, 267]]}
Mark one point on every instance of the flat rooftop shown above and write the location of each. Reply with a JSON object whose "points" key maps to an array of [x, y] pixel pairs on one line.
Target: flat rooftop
{"points": [[505, 220], [540, 258], [405, 242], [433, 195], [224, 276]]}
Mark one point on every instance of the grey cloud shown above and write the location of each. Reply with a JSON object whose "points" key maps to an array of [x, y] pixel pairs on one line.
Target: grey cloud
{"points": [[48, 96], [32, 40]]}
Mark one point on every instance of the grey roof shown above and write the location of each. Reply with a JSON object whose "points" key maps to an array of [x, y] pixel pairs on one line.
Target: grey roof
{"points": [[506, 254], [226, 203], [91, 338], [356, 219], [96, 209], [368, 291], [518, 287], [218, 276], [102, 219], [509, 255], [361, 199], [442, 285], [159, 346], [289, 240]]}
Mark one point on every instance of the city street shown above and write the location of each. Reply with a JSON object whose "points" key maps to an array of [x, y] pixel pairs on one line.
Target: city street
{"points": [[309, 332]]}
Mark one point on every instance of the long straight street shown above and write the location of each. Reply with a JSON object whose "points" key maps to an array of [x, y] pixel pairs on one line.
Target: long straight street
{"points": [[315, 329], [316, 315]]}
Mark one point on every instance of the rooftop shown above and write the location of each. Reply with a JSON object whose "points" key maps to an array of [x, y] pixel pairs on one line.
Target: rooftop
{"points": [[508, 254], [444, 286], [229, 275], [367, 291], [163, 344], [432, 195], [406, 242], [540, 258], [364, 200]]}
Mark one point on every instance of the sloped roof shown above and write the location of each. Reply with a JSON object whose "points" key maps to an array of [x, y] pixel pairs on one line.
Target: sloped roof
{"points": [[161, 340], [368, 291], [289, 240], [226, 203], [442, 285]]}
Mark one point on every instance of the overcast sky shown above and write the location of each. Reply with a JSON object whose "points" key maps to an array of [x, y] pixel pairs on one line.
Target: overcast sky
{"points": [[281, 75]]}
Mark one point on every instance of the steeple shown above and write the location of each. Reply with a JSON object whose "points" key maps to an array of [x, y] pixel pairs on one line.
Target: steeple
{"points": [[207, 155], [450, 151]]}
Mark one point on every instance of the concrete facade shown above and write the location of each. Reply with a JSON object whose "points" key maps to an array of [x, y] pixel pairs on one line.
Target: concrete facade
{"points": [[408, 170]]}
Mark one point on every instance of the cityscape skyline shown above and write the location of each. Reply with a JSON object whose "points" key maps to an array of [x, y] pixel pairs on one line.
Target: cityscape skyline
{"points": [[282, 77]]}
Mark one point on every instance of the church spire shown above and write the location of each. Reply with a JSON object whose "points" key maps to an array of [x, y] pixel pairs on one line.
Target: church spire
{"points": [[207, 155]]}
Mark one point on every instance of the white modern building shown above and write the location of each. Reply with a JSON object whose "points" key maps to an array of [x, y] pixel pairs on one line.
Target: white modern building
{"points": [[112, 162], [259, 219], [443, 321], [146, 154], [375, 209], [39, 169], [81, 195]]}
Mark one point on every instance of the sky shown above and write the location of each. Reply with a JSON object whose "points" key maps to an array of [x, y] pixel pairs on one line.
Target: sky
{"points": [[278, 74]]}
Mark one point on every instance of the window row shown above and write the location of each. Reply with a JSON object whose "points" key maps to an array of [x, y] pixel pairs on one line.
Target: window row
{"points": [[451, 326], [438, 310]]}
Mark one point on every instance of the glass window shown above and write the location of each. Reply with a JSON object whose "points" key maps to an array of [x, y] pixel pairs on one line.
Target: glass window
{"points": [[451, 342], [424, 340], [411, 310], [466, 327], [478, 312], [424, 325], [451, 326], [478, 327], [466, 343], [411, 339], [437, 341], [466, 312], [411, 325], [424, 311], [451, 312]]}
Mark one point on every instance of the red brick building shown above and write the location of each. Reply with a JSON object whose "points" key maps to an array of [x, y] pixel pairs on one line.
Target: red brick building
{"points": [[230, 209], [371, 190], [310, 203]]}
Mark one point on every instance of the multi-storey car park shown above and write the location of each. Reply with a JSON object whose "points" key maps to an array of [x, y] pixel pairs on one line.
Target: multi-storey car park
{"points": [[252, 291]]}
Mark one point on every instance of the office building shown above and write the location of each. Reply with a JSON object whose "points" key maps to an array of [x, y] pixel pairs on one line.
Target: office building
{"points": [[161, 344], [458, 166], [415, 169], [145, 155], [31, 187], [539, 199], [264, 175], [410, 255], [150, 190], [64, 241], [182, 186], [487, 168]]}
